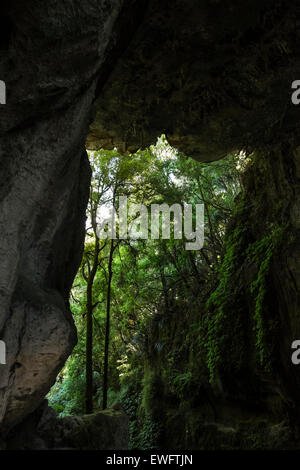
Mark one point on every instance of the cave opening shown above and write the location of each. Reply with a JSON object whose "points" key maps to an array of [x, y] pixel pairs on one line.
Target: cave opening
{"points": [[200, 340], [152, 288]]}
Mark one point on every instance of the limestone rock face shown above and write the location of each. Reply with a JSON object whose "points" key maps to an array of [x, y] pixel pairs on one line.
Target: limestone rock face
{"points": [[215, 76], [107, 430], [50, 57], [103, 430]]}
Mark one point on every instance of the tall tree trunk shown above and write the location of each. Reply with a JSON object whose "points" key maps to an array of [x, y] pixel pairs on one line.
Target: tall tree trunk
{"points": [[165, 287], [107, 328], [89, 357], [89, 332]]}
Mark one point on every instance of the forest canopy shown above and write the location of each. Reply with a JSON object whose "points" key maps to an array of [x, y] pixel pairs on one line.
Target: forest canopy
{"points": [[136, 301]]}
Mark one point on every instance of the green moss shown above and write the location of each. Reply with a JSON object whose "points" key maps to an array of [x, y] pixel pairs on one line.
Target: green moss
{"points": [[226, 306], [151, 386], [262, 253], [225, 327], [223, 322]]}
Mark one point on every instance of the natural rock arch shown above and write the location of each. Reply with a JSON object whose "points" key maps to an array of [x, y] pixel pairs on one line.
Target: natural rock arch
{"points": [[215, 76]]}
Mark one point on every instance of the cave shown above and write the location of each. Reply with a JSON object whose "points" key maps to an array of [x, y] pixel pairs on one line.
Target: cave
{"points": [[214, 76]]}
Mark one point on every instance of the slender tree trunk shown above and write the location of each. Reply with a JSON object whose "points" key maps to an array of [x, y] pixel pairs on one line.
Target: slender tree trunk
{"points": [[211, 229], [89, 356], [107, 328], [194, 268], [89, 332], [165, 287]]}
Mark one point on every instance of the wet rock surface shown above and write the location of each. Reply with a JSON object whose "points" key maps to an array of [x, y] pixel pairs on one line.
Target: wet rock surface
{"points": [[43, 430], [215, 76], [50, 58]]}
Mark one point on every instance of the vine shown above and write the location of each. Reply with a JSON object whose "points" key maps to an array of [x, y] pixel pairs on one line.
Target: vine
{"points": [[262, 252], [220, 308]]}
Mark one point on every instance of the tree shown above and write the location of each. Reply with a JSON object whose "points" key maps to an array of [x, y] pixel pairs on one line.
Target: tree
{"points": [[126, 286]]}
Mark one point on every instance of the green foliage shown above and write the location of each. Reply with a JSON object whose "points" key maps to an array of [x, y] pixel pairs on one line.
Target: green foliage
{"points": [[149, 434], [225, 326], [181, 383], [223, 329], [67, 396], [262, 253], [155, 282]]}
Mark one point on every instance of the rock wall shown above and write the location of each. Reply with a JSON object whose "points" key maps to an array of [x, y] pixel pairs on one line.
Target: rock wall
{"points": [[216, 372], [42, 430], [213, 75], [51, 54]]}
